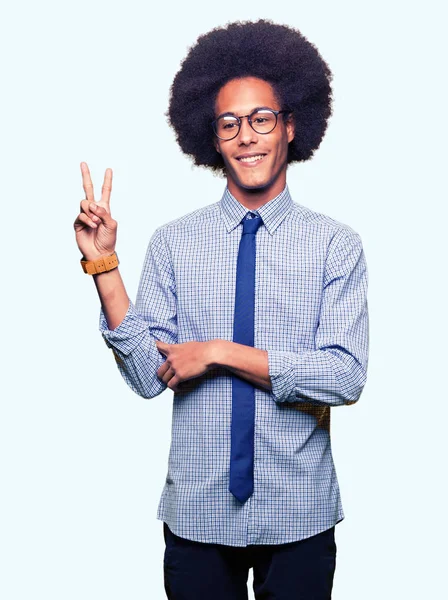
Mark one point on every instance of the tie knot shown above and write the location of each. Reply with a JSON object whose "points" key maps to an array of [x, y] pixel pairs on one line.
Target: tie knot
{"points": [[251, 223]]}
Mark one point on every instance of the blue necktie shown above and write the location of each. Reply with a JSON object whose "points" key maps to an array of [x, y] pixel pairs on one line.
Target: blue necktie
{"points": [[243, 392]]}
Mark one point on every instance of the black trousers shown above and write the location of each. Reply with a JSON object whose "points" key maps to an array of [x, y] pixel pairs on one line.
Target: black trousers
{"points": [[302, 570]]}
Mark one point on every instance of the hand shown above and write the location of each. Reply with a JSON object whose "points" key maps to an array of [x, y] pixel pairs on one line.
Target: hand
{"points": [[96, 231], [184, 361]]}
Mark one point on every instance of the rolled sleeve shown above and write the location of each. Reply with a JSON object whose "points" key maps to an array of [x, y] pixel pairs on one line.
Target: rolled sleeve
{"points": [[336, 371], [128, 335]]}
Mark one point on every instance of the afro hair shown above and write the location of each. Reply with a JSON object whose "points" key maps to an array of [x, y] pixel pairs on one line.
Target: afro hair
{"points": [[278, 54]]}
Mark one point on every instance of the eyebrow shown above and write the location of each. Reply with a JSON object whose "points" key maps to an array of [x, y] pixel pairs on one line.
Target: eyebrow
{"points": [[235, 115]]}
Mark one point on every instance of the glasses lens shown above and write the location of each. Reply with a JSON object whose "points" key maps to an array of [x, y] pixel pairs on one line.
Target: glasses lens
{"points": [[227, 127], [264, 120]]}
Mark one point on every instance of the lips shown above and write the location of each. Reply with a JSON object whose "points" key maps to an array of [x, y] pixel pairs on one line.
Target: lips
{"points": [[250, 159]]}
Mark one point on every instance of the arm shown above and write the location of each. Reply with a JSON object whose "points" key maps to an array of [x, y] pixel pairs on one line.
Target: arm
{"points": [[336, 371], [129, 331], [333, 374], [153, 317], [113, 296], [245, 361]]}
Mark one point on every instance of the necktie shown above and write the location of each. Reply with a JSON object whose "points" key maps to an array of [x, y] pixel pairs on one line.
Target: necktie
{"points": [[243, 392]]}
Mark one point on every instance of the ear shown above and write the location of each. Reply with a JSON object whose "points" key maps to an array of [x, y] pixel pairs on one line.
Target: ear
{"points": [[290, 127], [216, 144]]}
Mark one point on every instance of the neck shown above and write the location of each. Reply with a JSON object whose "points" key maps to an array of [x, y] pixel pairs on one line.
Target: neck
{"points": [[255, 198]]}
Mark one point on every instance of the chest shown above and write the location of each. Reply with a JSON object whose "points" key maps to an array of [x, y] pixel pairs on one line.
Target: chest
{"points": [[289, 271]]}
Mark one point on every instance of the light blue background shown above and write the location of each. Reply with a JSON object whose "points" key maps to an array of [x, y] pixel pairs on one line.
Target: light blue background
{"points": [[83, 459]]}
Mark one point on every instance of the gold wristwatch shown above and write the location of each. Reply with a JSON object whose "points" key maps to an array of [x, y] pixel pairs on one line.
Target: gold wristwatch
{"points": [[101, 264]]}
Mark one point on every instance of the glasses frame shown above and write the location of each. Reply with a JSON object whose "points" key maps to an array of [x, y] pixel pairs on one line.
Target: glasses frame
{"points": [[249, 118]]}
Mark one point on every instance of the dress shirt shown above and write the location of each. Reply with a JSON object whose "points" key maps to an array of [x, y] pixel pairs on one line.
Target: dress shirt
{"points": [[311, 317]]}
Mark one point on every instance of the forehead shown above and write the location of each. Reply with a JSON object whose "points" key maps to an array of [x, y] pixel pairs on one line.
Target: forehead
{"points": [[240, 96]]}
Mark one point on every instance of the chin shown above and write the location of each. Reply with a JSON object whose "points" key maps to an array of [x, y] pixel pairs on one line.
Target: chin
{"points": [[255, 185]]}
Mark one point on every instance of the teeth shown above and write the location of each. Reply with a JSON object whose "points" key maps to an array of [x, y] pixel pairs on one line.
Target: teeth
{"points": [[251, 158]]}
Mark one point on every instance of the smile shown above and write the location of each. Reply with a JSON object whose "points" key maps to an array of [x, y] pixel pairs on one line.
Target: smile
{"points": [[251, 160]]}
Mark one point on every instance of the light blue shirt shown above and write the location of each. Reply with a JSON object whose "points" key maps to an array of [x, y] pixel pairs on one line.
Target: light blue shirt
{"points": [[311, 317]]}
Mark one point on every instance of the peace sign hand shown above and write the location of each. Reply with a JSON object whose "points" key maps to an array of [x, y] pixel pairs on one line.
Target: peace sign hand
{"points": [[95, 230]]}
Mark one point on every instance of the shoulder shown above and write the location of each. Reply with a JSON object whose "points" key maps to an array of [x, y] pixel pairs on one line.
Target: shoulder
{"points": [[325, 231], [320, 222], [164, 235], [191, 219]]}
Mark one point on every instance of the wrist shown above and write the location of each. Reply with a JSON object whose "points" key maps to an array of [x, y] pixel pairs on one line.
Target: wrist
{"points": [[96, 255], [217, 352], [105, 263]]}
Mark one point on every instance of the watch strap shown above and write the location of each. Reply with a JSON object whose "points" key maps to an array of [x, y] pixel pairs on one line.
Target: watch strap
{"points": [[101, 264]]}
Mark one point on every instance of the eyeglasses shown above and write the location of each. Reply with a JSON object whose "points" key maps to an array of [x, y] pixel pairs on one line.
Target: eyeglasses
{"points": [[262, 120]]}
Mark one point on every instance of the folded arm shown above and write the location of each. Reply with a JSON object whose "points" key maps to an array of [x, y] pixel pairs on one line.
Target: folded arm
{"points": [[335, 372]]}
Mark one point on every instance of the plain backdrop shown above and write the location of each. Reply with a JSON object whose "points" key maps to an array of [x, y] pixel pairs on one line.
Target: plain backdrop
{"points": [[83, 458]]}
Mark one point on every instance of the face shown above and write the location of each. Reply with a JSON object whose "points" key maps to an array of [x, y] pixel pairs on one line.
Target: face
{"points": [[265, 177]]}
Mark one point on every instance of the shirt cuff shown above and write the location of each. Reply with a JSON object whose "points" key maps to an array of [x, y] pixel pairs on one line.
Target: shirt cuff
{"points": [[305, 376], [282, 372], [128, 334]]}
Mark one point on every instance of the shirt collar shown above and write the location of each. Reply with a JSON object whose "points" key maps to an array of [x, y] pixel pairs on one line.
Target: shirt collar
{"points": [[272, 213]]}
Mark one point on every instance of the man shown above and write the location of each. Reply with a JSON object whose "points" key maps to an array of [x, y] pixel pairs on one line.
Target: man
{"points": [[253, 310]]}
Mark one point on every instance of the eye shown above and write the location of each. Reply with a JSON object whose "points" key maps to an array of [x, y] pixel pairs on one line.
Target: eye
{"points": [[228, 125]]}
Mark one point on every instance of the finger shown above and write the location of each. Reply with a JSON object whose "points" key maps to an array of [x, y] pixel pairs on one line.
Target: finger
{"points": [[173, 384], [107, 187], [87, 182], [85, 208], [168, 376], [162, 347], [162, 369], [83, 219], [102, 215]]}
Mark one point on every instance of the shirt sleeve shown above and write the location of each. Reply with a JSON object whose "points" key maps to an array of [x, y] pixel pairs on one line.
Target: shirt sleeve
{"points": [[336, 371], [152, 317]]}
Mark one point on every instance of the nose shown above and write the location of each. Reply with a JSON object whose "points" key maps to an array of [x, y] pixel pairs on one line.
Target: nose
{"points": [[246, 134]]}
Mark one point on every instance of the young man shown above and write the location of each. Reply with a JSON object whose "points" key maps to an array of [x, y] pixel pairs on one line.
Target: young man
{"points": [[253, 310]]}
